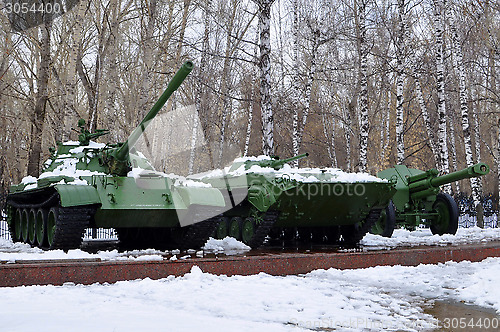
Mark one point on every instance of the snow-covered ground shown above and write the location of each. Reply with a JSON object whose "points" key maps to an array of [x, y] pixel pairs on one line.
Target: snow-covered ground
{"points": [[10, 252], [375, 299], [424, 237]]}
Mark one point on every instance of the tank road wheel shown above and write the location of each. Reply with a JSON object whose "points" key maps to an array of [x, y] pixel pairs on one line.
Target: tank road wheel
{"points": [[222, 228], [248, 230], [31, 226], [41, 227], [235, 228], [17, 233], [24, 225], [386, 223], [51, 225], [447, 220], [352, 234]]}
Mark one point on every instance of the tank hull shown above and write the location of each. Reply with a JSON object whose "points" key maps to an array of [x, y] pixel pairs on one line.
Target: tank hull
{"points": [[281, 203], [110, 202]]}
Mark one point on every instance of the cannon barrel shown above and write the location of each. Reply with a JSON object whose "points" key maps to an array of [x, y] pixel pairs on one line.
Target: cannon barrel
{"points": [[122, 152], [277, 163], [427, 183]]}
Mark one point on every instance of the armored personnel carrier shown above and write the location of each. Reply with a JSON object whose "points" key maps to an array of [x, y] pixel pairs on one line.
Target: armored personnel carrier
{"points": [[87, 184], [266, 197]]}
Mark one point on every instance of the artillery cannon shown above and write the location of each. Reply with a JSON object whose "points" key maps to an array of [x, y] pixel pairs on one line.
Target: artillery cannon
{"points": [[418, 199], [92, 185]]}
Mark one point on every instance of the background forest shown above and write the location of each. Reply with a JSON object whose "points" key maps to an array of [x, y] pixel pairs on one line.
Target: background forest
{"points": [[359, 84]]}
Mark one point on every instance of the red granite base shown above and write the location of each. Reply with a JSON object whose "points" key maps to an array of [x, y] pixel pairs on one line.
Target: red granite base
{"points": [[92, 271]]}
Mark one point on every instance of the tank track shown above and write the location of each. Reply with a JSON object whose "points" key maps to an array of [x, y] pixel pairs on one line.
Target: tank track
{"points": [[197, 234], [263, 228], [352, 234], [70, 226]]}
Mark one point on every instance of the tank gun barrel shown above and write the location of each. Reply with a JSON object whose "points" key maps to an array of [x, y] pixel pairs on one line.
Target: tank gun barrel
{"points": [[182, 73], [117, 159], [424, 184], [277, 163]]}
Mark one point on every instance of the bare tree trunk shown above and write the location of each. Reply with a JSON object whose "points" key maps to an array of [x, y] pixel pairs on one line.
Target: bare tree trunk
{"points": [[200, 98], [425, 116], [459, 67], [296, 84], [347, 134], [112, 80], [331, 145], [252, 101], [265, 76], [363, 94], [69, 112], [226, 105], [41, 101], [453, 150], [440, 73], [400, 79], [147, 55]]}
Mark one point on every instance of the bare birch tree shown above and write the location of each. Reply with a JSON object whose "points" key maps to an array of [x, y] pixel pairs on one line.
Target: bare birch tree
{"points": [[363, 49], [439, 11], [264, 10]]}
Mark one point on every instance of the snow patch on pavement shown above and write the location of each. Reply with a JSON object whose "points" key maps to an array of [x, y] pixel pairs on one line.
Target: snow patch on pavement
{"points": [[227, 245], [424, 237]]}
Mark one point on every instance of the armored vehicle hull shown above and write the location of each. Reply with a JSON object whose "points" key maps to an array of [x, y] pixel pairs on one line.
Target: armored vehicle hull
{"points": [[268, 198]]}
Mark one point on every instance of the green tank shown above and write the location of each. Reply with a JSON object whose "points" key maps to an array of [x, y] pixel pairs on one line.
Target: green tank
{"points": [[267, 198], [418, 199], [91, 185]]}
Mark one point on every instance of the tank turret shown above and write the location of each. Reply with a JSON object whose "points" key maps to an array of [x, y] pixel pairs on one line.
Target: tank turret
{"points": [[268, 162], [274, 162]]}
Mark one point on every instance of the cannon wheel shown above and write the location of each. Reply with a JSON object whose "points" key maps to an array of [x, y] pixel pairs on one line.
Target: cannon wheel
{"points": [[386, 223], [447, 221]]}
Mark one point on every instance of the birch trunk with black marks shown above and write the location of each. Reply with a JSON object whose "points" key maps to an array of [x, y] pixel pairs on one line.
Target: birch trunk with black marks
{"points": [[464, 109], [363, 83], [400, 79], [347, 125], [296, 102], [440, 77], [265, 76], [477, 141]]}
